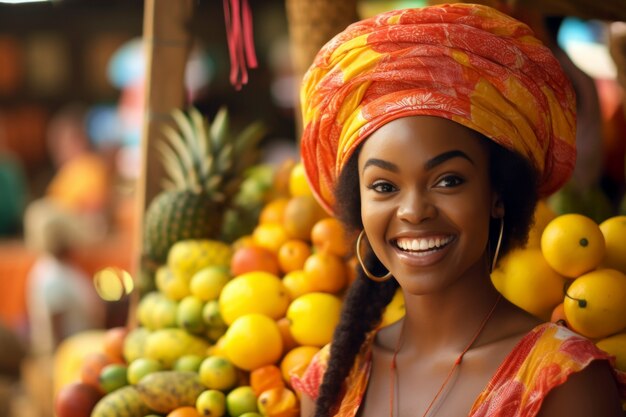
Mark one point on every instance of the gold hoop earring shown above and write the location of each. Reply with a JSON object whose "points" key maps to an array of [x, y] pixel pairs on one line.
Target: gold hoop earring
{"points": [[497, 252], [371, 276]]}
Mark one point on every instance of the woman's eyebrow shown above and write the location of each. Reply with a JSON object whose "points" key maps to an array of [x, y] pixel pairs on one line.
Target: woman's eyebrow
{"points": [[381, 164], [440, 159]]}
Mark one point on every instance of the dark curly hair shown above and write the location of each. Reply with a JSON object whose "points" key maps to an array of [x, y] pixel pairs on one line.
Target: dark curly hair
{"points": [[515, 181]]}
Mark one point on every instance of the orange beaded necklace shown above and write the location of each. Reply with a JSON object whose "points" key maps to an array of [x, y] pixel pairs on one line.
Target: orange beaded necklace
{"points": [[457, 362]]}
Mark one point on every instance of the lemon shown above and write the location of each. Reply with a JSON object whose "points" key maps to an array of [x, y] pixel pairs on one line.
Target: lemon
{"points": [[241, 400], [595, 303], [313, 318], [218, 373], [207, 283], [253, 292], [543, 215], [526, 280], [614, 231], [298, 184], [270, 236], [395, 309], [615, 345], [211, 403], [298, 283], [141, 367], [572, 245], [170, 285], [253, 341]]}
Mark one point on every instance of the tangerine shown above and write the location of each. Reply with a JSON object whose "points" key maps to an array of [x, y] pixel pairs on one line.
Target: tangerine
{"points": [[301, 214], [113, 343], [186, 411], [329, 235], [292, 254], [296, 361], [288, 341], [326, 272], [274, 211], [254, 258], [270, 236], [298, 283], [266, 377]]}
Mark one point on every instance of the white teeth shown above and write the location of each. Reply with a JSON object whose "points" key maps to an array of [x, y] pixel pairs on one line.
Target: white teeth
{"points": [[409, 244]]}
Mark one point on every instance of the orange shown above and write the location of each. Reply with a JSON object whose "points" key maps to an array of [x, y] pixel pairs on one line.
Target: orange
{"points": [[301, 214], [113, 344], [274, 211], [558, 314], [614, 231], [270, 236], [298, 283], [296, 361], [253, 341], [266, 377], [253, 292], [298, 184], [288, 341], [91, 367], [279, 402], [313, 318], [326, 271], [292, 254], [572, 245], [351, 269], [542, 216], [595, 303], [253, 258], [186, 411], [329, 235]]}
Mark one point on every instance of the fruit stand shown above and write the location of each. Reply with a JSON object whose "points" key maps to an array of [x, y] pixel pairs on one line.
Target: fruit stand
{"points": [[243, 272]]}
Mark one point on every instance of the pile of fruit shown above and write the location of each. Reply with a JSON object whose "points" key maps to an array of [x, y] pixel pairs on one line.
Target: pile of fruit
{"points": [[572, 270]]}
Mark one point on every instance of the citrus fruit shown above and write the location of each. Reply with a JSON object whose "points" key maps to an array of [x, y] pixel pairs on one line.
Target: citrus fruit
{"points": [[595, 303], [298, 184], [558, 314], [241, 400], [266, 377], [186, 411], [211, 403], [253, 341], [297, 284], [279, 402], [112, 377], [113, 343], [572, 245], [188, 363], [313, 318], [296, 361], [91, 367], [189, 314], [207, 283], [616, 346], [292, 254], [329, 235], [274, 211], [288, 341], [326, 272], [270, 236], [542, 216], [395, 309], [614, 231], [141, 367], [526, 280], [172, 287], [218, 373], [253, 292], [301, 214], [254, 258]]}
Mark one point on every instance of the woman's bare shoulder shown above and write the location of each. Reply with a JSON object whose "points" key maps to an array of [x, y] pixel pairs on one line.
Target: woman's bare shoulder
{"points": [[591, 392]]}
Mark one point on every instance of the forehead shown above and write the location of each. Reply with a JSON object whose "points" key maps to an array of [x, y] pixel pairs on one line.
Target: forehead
{"points": [[421, 138]]}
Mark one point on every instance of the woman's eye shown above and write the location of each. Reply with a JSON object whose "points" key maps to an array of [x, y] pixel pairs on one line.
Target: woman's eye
{"points": [[382, 187], [450, 181]]}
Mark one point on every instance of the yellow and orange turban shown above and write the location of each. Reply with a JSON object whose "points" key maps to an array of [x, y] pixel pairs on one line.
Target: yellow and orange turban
{"points": [[467, 63]]}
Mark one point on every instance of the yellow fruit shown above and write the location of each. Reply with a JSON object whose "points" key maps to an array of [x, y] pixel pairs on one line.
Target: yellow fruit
{"points": [[296, 361], [186, 257], [207, 283], [298, 184], [126, 398], [525, 279], [134, 343], [165, 391], [141, 367], [274, 211], [301, 214], [270, 236], [252, 341], [253, 292], [313, 318], [218, 373], [167, 345], [297, 284], [395, 310], [279, 402], [614, 231], [595, 303], [292, 255], [543, 215], [173, 287], [211, 403], [616, 346], [572, 245], [240, 401]]}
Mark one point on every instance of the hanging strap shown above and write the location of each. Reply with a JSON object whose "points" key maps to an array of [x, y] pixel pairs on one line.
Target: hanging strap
{"points": [[240, 39]]}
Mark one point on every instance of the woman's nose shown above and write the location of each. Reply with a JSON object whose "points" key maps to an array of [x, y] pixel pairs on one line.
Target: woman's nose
{"points": [[415, 207]]}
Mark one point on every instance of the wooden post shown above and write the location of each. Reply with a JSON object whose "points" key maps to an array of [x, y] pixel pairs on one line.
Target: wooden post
{"points": [[167, 42]]}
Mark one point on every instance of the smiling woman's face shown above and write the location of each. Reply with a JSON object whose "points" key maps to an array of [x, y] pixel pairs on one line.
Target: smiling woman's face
{"points": [[426, 201]]}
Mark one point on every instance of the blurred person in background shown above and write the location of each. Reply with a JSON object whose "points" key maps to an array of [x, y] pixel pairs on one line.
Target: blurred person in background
{"points": [[13, 191]]}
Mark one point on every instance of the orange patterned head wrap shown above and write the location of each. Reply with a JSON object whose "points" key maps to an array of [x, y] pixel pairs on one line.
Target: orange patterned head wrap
{"points": [[467, 63]]}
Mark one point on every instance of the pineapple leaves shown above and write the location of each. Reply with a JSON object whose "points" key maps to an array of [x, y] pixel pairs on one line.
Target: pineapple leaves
{"points": [[219, 129], [183, 153], [172, 164]]}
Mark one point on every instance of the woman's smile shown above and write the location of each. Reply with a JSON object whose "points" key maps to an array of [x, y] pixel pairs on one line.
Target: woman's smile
{"points": [[422, 251]]}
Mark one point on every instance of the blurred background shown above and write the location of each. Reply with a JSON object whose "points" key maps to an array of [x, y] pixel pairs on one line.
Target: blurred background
{"points": [[72, 100]]}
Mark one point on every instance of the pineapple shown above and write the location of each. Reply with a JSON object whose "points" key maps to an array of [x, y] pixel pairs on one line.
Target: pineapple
{"points": [[205, 165]]}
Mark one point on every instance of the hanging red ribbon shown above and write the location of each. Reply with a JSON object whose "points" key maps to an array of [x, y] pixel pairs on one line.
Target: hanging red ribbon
{"points": [[240, 39]]}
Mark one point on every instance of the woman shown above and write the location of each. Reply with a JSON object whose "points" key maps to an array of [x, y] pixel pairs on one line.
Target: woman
{"points": [[451, 122]]}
